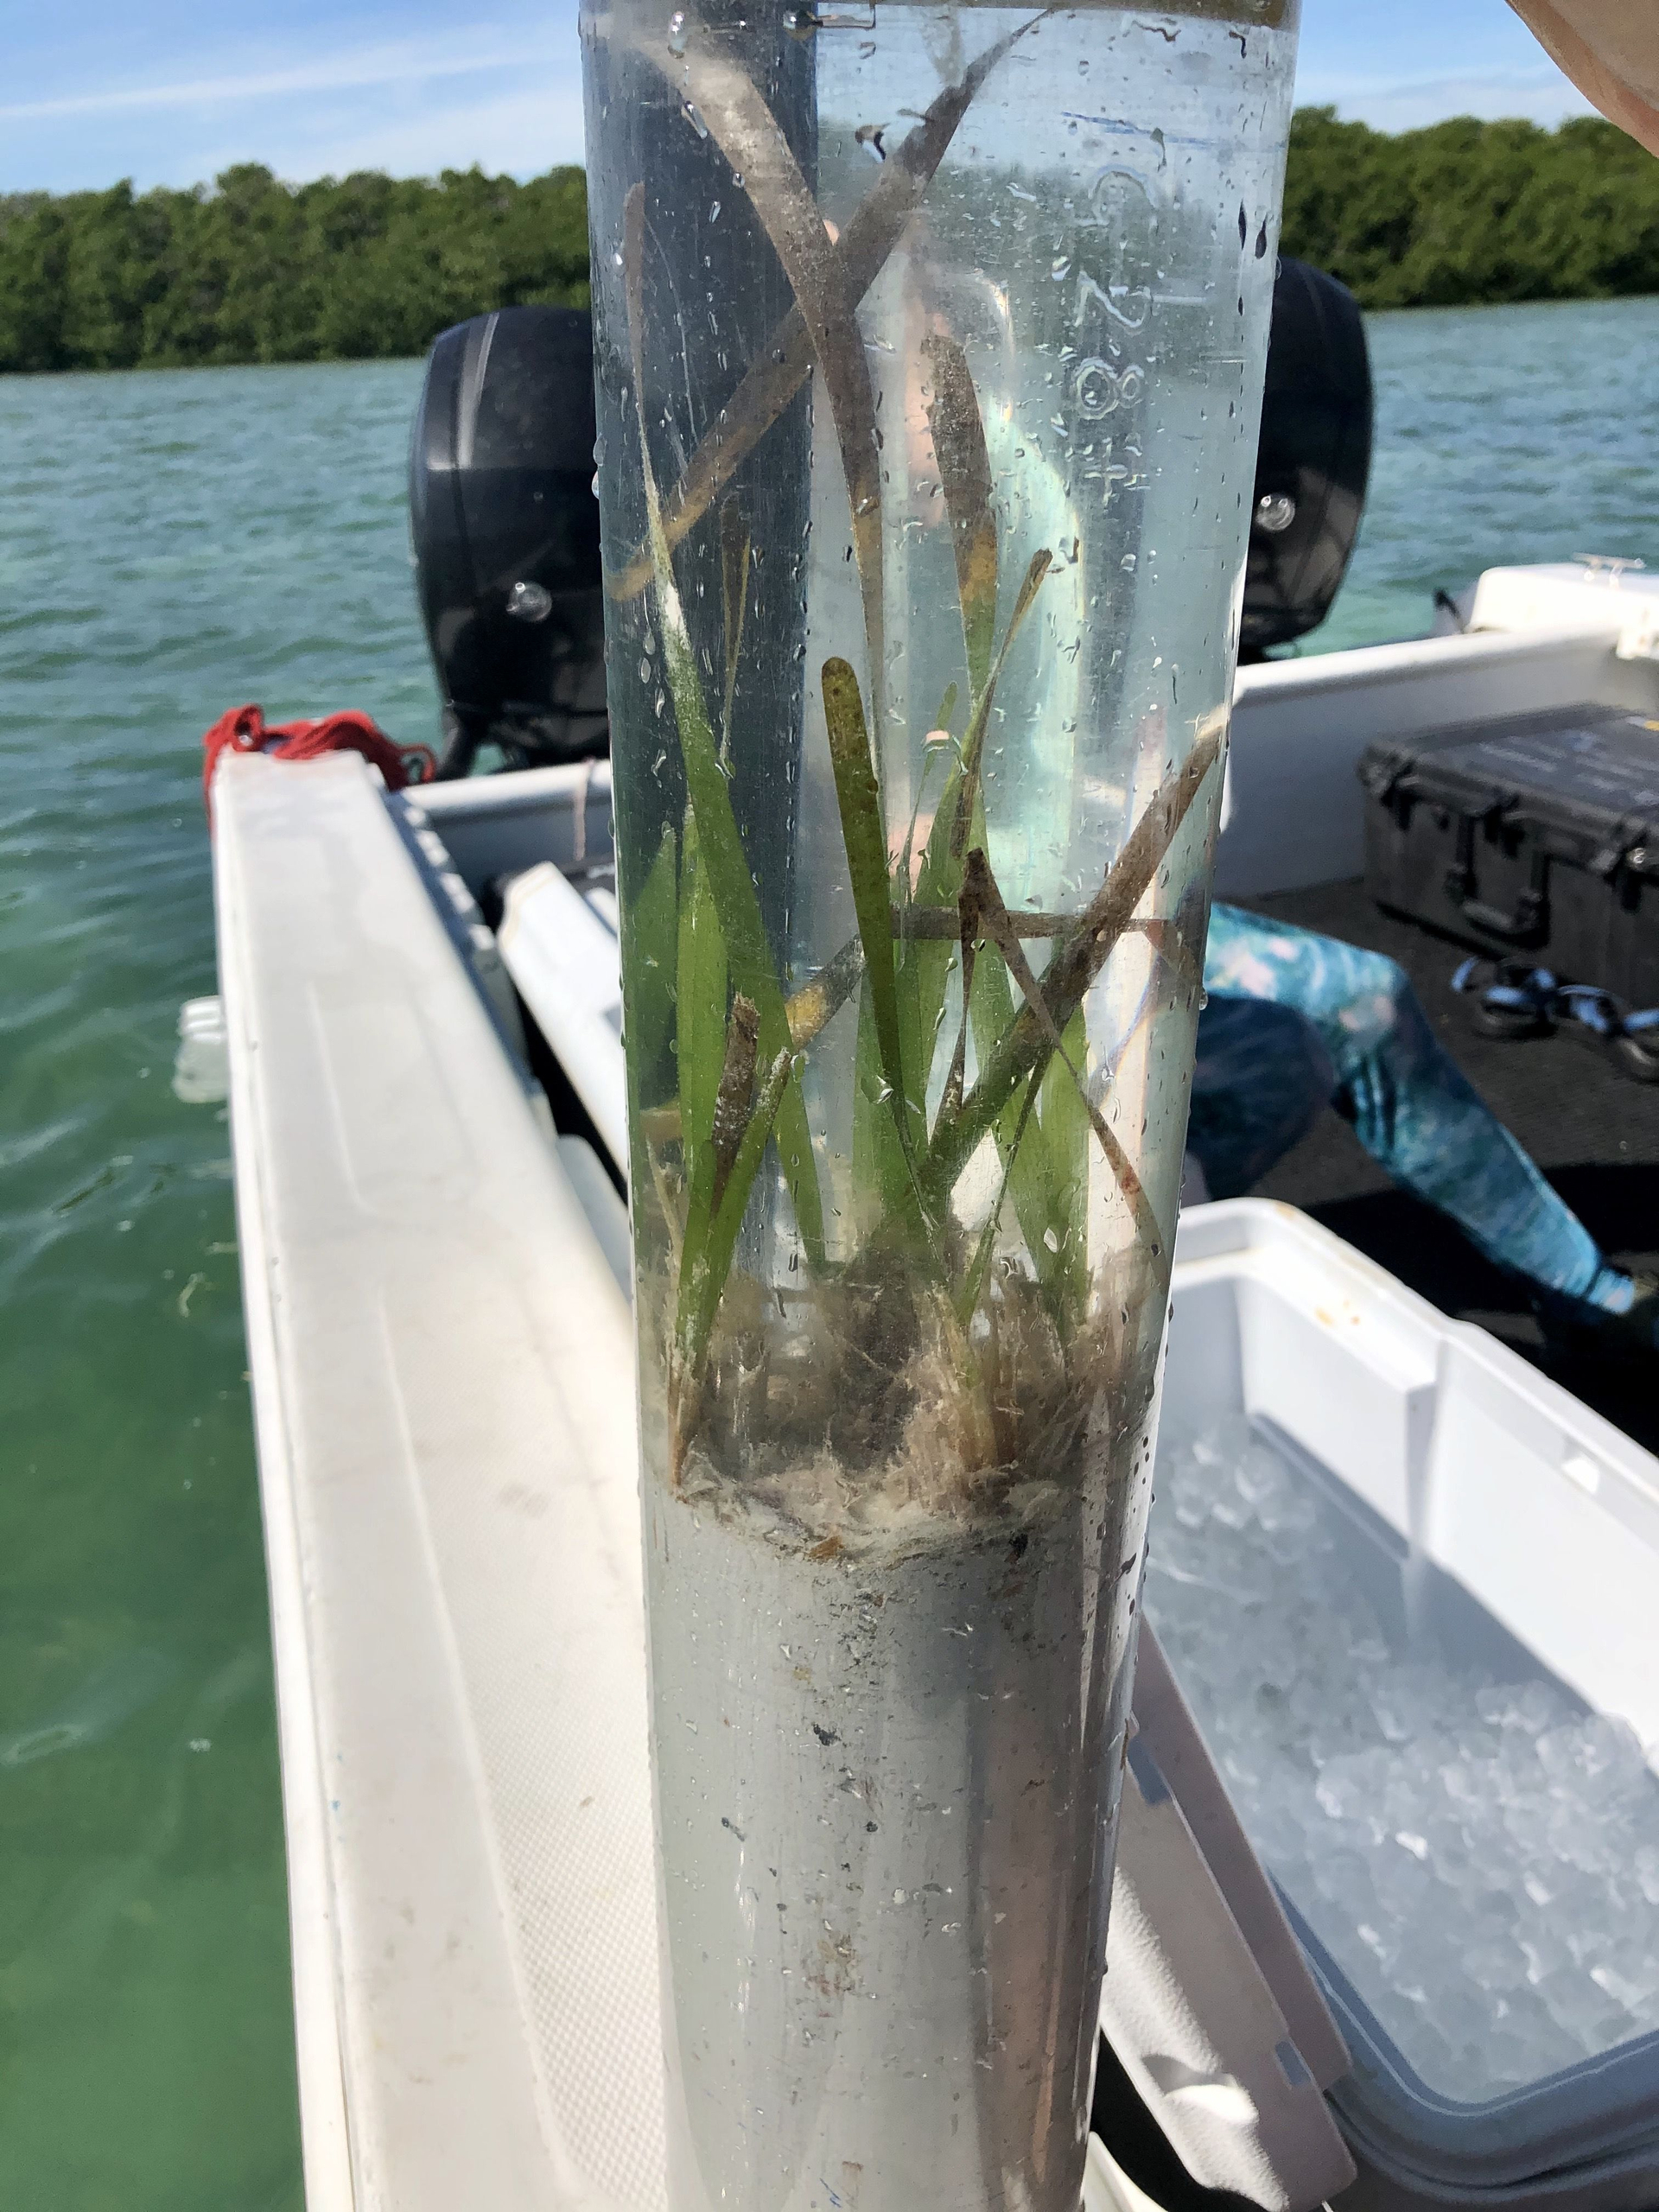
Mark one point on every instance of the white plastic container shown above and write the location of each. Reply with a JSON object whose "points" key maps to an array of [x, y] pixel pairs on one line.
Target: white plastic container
{"points": [[1490, 1509]]}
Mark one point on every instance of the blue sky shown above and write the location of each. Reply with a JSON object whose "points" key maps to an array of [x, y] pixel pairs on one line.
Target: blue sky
{"points": [[170, 92]]}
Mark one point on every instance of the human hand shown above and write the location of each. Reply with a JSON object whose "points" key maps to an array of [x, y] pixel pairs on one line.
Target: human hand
{"points": [[1610, 48]]}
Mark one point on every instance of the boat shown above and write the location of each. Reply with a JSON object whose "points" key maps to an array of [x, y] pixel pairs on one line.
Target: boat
{"points": [[421, 1015]]}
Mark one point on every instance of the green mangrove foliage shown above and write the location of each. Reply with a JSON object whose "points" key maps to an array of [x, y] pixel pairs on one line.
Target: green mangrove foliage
{"points": [[254, 269], [1465, 212], [369, 267]]}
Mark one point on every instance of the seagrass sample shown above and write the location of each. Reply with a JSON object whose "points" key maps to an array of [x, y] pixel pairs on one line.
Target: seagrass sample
{"points": [[929, 346]]}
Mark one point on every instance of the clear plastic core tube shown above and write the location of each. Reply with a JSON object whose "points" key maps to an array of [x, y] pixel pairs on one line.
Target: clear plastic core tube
{"points": [[929, 349]]}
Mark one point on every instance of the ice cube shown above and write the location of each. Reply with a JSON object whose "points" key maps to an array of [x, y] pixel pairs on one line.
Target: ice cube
{"points": [[1192, 1507], [1231, 1510], [1588, 2014], [1463, 2014], [1482, 1859], [1632, 1981], [1225, 1442], [1593, 1762], [1349, 1789], [1408, 1701], [1529, 1706], [1545, 1950], [1495, 1963], [1345, 1879], [1523, 2043], [1464, 1782], [1261, 1475]]}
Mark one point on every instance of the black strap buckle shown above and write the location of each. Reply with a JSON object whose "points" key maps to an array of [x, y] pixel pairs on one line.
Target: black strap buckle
{"points": [[1514, 1001]]}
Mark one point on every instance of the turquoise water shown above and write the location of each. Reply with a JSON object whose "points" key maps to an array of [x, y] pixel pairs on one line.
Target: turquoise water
{"points": [[1502, 435], [173, 544]]}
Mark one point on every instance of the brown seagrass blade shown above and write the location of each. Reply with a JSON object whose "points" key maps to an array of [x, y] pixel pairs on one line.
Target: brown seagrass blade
{"points": [[780, 368]]}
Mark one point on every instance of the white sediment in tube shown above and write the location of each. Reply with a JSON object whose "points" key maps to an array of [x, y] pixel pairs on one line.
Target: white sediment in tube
{"points": [[884, 1768]]}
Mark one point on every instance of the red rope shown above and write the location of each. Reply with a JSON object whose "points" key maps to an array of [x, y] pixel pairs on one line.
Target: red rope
{"points": [[243, 730]]}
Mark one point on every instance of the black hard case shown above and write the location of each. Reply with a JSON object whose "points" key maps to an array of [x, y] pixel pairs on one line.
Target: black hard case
{"points": [[1537, 836]]}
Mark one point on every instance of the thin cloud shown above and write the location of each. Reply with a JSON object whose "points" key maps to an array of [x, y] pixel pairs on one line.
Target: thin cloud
{"points": [[1412, 103], [400, 63], [520, 133]]}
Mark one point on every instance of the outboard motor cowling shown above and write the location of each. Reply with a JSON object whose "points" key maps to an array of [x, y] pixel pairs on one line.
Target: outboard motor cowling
{"points": [[505, 532], [1313, 460]]}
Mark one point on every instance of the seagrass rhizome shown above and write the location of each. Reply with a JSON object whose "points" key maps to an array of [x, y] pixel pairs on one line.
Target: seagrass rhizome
{"points": [[929, 344]]}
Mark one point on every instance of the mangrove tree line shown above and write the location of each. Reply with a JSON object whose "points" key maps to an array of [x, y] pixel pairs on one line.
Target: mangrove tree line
{"points": [[253, 270]]}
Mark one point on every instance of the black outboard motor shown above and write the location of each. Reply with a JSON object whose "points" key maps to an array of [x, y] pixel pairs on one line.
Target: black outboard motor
{"points": [[1313, 460], [505, 533]]}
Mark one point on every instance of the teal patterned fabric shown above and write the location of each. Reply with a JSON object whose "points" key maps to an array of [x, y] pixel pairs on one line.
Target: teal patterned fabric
{"points": [[1295, 1021]]}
